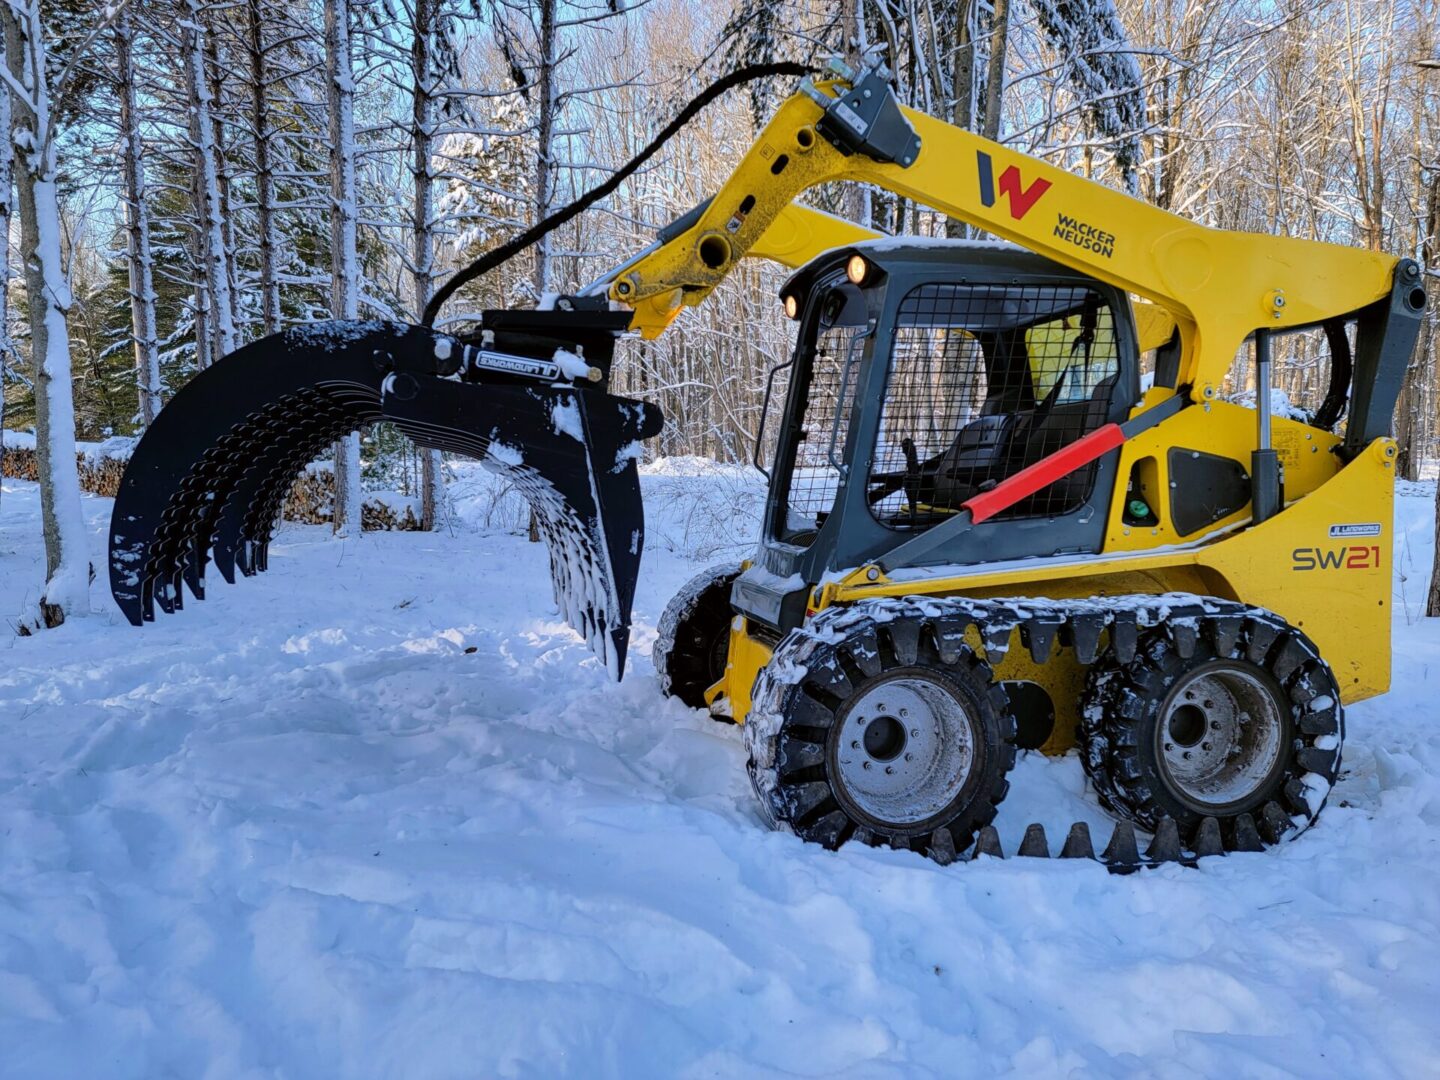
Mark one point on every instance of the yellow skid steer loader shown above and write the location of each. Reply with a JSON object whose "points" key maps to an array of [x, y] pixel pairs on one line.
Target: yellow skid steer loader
{"points": [[981, 532]]}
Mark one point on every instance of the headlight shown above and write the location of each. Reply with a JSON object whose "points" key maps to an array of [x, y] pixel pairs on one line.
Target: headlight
{"points": [[792, 307], [856, 269]]}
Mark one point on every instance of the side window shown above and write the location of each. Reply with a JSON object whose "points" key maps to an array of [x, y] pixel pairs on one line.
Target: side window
{"points": [[982, 382], [1078, 352], [825, 424]]}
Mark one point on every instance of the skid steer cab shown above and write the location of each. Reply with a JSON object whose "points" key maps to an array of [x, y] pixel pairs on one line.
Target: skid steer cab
{"points": [[982, 534]]}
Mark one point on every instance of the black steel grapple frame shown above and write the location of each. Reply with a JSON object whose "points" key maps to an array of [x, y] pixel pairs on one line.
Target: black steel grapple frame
{"points": [[525, 395]]}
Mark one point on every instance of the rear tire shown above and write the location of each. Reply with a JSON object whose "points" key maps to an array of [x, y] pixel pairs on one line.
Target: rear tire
{"points": [[694, 635], [1236, 716], [880, 740]]}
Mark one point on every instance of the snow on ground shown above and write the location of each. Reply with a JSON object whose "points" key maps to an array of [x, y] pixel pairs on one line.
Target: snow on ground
{"points": [[378, 813]]}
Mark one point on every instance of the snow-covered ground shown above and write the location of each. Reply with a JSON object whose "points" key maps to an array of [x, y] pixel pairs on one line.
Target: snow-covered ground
{"points": [[378, 813]]}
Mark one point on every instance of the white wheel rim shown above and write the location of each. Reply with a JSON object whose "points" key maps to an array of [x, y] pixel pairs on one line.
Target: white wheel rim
{"points": [[906, 749], [1219, 735]]}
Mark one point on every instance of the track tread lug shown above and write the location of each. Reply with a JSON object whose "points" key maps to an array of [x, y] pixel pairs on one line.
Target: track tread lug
{"points": [[904, 635], [1274, 823], [1224, 632], [1077, 843], [1165, 844], [942, 847], [1207, 839], [1034, 844], [1124, 636], [1123, 850], [1083, 633], [798, 753], [1315, 760], [1260, 639], [1244, 836], [988, 843], [1038, 635]]}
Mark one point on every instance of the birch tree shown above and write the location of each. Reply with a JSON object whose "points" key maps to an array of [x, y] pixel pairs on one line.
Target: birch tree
{"points": [[140, 262], [215, 300], [7, 189], [344, 262], [67, 564], [261, 86], [428, 38]]}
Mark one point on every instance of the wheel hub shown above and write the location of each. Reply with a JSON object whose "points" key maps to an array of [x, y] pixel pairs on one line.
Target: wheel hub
{"points": [[905, 749], [1220, 735]]}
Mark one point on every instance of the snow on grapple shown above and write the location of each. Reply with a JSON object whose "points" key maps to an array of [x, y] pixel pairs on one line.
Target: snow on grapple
{"points": [[208, 479], [981, 535]]}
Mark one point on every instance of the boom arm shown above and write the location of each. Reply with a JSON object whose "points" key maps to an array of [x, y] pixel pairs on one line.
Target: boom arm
{"points": [[1218, 285]]}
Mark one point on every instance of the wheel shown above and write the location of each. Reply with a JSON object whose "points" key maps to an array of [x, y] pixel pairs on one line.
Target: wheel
{"points": [[880, 740], [694, 635], [1238, 716]]}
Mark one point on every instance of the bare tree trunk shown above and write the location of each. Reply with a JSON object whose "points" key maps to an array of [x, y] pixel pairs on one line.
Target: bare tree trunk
{"points": [[1432, 602], [852, 28], [137, 231], [544, 136], [222, 173], [7, 188], [544, 166], [1430, 253], [995, 72], [432, 485], [208, 211], [345, 285], [962, 113], [67, 564], [264, 170]]}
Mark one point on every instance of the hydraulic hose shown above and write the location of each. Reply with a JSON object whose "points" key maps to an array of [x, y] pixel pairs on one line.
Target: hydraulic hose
{"points": [[508, 250]]}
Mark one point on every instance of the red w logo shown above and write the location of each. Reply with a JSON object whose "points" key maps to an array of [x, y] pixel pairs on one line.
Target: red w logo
{"points": [[1021, 198]]}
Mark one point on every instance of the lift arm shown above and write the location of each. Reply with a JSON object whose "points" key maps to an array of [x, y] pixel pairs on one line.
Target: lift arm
{"points": [[1219, 286]]}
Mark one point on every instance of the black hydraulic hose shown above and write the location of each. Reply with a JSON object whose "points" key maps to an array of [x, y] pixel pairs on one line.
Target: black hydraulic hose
{"points": [[513, 247]]}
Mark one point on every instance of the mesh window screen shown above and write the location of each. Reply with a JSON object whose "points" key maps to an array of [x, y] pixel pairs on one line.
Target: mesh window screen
{"points": [[983, 381], [824, 428]]}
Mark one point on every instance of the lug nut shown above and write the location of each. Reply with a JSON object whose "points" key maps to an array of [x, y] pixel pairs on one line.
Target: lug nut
{"points": [[914, 732], [1169, 747], [1187, 757], [904, 712], [865, 764], [889, 771], [1207, 704], [855, 744], [1205, 746], [909, 757]]}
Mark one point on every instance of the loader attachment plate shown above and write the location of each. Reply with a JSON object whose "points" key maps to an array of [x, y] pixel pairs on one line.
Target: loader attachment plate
{"points": [[208, 480]]}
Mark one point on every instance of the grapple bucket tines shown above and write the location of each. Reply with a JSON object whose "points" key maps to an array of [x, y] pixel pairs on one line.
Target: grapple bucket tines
{"points": [[209, 477]]}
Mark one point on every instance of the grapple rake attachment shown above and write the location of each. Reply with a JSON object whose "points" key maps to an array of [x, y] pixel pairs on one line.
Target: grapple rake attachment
{"points": [[209, 478]]}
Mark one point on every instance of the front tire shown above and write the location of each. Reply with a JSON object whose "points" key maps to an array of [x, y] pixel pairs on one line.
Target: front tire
{"points": [[693, 641], [879, 740], [1236, 716]]}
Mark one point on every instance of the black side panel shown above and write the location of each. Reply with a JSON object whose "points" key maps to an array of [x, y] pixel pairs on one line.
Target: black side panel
{"points": [[1204, 488], [1385, 340]]}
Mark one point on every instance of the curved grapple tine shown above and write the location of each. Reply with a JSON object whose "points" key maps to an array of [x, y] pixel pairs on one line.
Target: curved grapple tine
{"points": [[571, 452], [192, 459]]}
